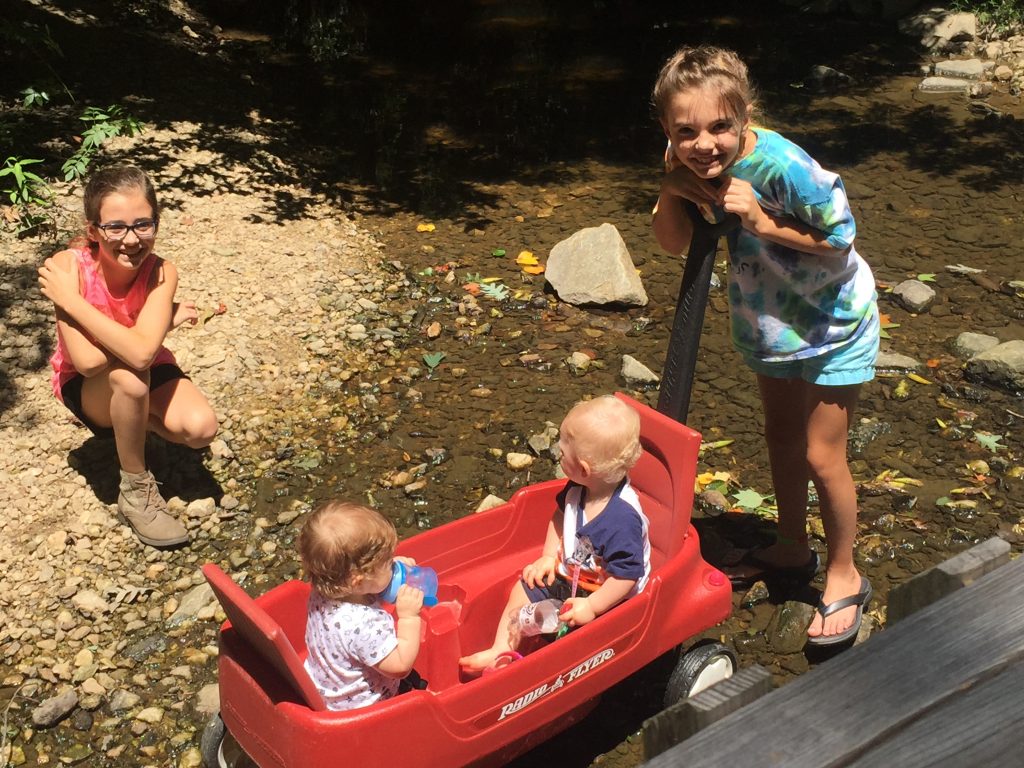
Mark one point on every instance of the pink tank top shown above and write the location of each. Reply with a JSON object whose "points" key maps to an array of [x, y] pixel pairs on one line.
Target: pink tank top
{"points": [[124, 310]]}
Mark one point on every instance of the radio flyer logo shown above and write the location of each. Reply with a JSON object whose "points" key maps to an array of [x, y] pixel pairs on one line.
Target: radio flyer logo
{"points": [[553, 685]]}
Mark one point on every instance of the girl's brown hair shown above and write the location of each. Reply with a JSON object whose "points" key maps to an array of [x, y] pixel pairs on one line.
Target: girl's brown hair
{"points": [[117, 178], [705, 66], [341, 540]]}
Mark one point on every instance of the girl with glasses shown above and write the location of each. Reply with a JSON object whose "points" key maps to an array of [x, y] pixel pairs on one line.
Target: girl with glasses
{"points": [[114, 301]]}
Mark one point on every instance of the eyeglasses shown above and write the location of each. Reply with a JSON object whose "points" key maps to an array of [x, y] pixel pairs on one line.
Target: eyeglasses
{"points": [[118, 230]]}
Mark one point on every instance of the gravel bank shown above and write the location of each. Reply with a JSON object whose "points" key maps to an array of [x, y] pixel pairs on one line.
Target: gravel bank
{"points": [[82, 602]]}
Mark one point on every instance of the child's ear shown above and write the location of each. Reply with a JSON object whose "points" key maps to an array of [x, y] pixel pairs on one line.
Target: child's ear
{"points": [[584, 468]]}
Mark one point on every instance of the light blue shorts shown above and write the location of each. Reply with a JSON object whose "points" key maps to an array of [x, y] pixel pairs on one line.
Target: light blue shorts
{"points": [[853, 363]]}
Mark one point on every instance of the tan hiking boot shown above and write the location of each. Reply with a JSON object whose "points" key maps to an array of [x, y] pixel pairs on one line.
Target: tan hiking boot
{"points": [[145, 510]]}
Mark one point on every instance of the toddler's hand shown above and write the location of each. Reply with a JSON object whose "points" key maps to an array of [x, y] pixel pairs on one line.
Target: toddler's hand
{"points": [[57, 284], [406, 560], [408, 602], [577, 611], [737, 196], [184, 312], [541, 572]]}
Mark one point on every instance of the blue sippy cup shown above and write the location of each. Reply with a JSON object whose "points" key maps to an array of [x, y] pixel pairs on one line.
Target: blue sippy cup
{"points": [[418, 576]]}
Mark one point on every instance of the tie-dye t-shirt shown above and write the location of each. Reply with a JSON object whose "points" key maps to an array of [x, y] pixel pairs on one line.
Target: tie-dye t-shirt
{"points": [[787, 304]]}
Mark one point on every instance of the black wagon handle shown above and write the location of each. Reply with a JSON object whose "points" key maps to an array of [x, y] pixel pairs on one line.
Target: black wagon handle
{"points": [[681, 358]]}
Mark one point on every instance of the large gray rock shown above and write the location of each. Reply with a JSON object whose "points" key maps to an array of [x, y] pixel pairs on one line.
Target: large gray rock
{"points": [[943, 85], [894, 361], [54, 709], [968, 69], [914, 295], [191, 603], [635, 372], [968, 344], [787, 629], [1002, 365], [938, 28], [593, 266]]}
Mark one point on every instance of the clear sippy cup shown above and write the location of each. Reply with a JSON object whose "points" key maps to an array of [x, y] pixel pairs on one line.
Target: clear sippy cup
{"points": [[418, 576]]}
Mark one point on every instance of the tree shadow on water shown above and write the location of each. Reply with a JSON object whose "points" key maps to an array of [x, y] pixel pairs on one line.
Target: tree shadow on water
{"points": [[179, 470]]}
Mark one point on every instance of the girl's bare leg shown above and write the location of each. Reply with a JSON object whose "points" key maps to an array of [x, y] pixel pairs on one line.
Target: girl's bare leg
{"points": [[830, 411], [806, 427], [180, 413], [119, 398], [786, 435]]}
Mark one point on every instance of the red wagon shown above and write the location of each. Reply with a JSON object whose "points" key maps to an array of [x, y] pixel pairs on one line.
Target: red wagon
{"points": [[275, 714]]}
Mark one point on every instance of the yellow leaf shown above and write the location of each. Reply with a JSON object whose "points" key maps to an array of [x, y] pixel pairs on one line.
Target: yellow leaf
{"points": [[918, 379], [535, 270], [426, 227], [488, 280], [704, 478], [522, 294], [525, 258], [941, 423]]}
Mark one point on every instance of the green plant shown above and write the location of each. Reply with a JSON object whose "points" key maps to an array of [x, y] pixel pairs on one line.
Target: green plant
{"points": [[33, 98], [104, 124], [433, 359], [36, 41], [29, 191]]}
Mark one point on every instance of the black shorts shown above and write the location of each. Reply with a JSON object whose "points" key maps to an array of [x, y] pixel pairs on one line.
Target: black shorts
{"points": [[71, 393], [560, 590]]}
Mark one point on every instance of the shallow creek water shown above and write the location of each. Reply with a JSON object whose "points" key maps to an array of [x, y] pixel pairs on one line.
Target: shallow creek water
{"points": [[511, 128]]}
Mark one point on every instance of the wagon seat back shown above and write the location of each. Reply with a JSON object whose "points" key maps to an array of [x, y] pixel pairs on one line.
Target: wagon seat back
{"points": [[265, 636], [664, 478]]}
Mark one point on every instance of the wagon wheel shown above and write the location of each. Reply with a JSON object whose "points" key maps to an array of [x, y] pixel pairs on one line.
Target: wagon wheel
{"points": [[210, 743], [219, 748], [699, 668]]}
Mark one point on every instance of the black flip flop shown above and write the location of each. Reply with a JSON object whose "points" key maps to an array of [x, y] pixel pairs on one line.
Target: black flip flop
{"points": [[861, 599], [798, 574]]}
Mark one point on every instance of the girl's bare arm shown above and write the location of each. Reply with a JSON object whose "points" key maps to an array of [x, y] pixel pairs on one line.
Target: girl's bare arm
{"points": [[136, 346], [88, 358]]}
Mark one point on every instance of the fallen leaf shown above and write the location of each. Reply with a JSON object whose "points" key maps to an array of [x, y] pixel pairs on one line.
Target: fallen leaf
{"points": [[748, 498], [473, 288], [498, 252], [989, 440], [886, 322], [926, 277], [933, 362], [918, 379], [534, 270], [425, 227], [527, 259]]}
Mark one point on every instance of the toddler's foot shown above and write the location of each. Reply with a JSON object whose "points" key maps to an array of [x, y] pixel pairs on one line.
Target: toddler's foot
{"points": [[477, 662]]}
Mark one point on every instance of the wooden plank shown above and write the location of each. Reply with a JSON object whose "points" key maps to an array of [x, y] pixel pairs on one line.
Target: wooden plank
{"points": [[848, 703], [946, 577], [972, 728], [686, 717]]}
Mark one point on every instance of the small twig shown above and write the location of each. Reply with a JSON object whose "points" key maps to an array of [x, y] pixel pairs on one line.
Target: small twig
{"points": [[3, 733]]}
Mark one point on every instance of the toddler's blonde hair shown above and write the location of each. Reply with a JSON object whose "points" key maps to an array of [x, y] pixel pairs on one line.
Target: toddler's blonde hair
{"points": [[341, 540], [706, 67], [605, 433]]}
